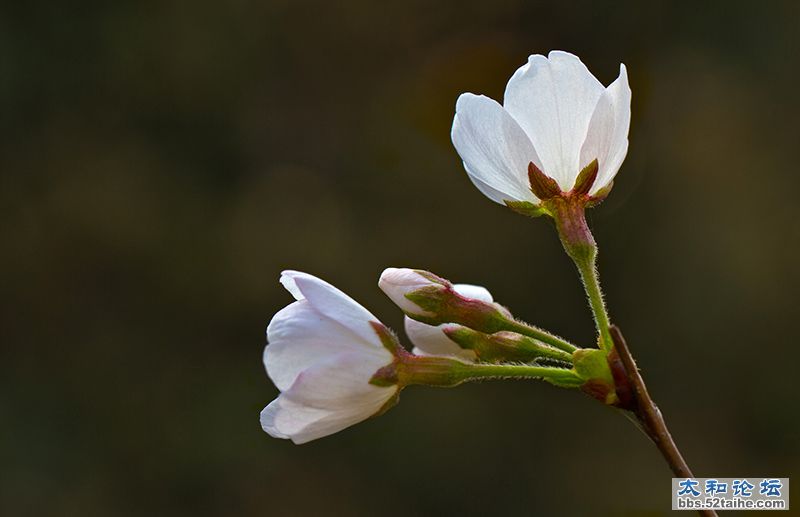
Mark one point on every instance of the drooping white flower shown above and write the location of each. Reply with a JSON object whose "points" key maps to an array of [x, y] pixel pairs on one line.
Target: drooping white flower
{"points": [[556, 115], [432, 340], [322, 352]]}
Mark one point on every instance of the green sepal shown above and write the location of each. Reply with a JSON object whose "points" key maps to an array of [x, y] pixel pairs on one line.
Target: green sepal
{"points": [[388, 338], [586, 178], [591, 363], [504, 347], [563, 383], [389, 404], [387, 376], [600, 195], [526, 208], [543, 186], [433, 278], [445, 305], [431, 300]]}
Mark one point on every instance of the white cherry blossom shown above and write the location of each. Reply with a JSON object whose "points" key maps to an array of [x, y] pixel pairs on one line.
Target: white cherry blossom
{"points": [[556, 115], [322, 352]]}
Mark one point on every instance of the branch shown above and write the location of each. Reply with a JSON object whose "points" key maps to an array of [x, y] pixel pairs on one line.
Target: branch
{"points": [[649, 415]]}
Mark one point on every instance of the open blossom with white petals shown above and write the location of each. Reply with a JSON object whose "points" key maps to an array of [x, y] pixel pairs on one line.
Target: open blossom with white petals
{"points": [[555, 115], [432, 340], [322, 352]]}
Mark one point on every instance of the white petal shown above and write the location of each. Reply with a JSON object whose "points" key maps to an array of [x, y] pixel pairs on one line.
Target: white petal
{"points": [[325, 399], [283, 418], [430, 340], [599, 135], [287, 280], [342, 381], [494, 148], [619, 93], [553, 99], [269, 417], [486, 190], [300, 337], [476, 292], [332, 303]]}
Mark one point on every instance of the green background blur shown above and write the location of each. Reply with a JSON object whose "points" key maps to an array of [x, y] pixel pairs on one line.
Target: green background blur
{"points": [[162, 162]]}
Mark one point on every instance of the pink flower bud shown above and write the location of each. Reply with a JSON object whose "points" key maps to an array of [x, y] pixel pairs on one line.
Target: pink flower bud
{"points": [[432, 340], [399, 283]]}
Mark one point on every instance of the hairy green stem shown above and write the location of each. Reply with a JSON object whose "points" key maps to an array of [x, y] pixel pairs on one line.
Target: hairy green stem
{"points": [[579, 243], [442, 371], [539, 334], [591, 282], [521, 371]]}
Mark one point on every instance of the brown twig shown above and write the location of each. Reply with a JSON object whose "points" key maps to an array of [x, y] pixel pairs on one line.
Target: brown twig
{"points": [[649, 415]]}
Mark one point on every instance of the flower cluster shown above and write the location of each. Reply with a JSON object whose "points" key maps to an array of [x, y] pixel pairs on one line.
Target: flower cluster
{"points": [[553, 148]]}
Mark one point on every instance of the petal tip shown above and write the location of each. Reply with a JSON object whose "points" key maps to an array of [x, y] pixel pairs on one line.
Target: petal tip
{"points": [[562, 54], [465, 100], [267, 419], [288, 280]]}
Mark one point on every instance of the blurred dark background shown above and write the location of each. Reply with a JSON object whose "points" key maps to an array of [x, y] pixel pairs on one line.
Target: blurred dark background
{"points": [[162, 162]]}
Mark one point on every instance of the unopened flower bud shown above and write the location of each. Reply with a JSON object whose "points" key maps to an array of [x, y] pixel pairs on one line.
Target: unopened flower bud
{"points": [[400, 283], [504, 346], [433, 340], [430, 299]]}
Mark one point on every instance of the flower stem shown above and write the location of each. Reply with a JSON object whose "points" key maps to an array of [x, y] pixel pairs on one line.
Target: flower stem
{"points": [[447, 372], [535, 332], [560, 376], [649, 416], [579, 243], [591, 282]]}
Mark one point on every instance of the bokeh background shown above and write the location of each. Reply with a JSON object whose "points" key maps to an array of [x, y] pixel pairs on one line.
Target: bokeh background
{"points": [[162, 162]]}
